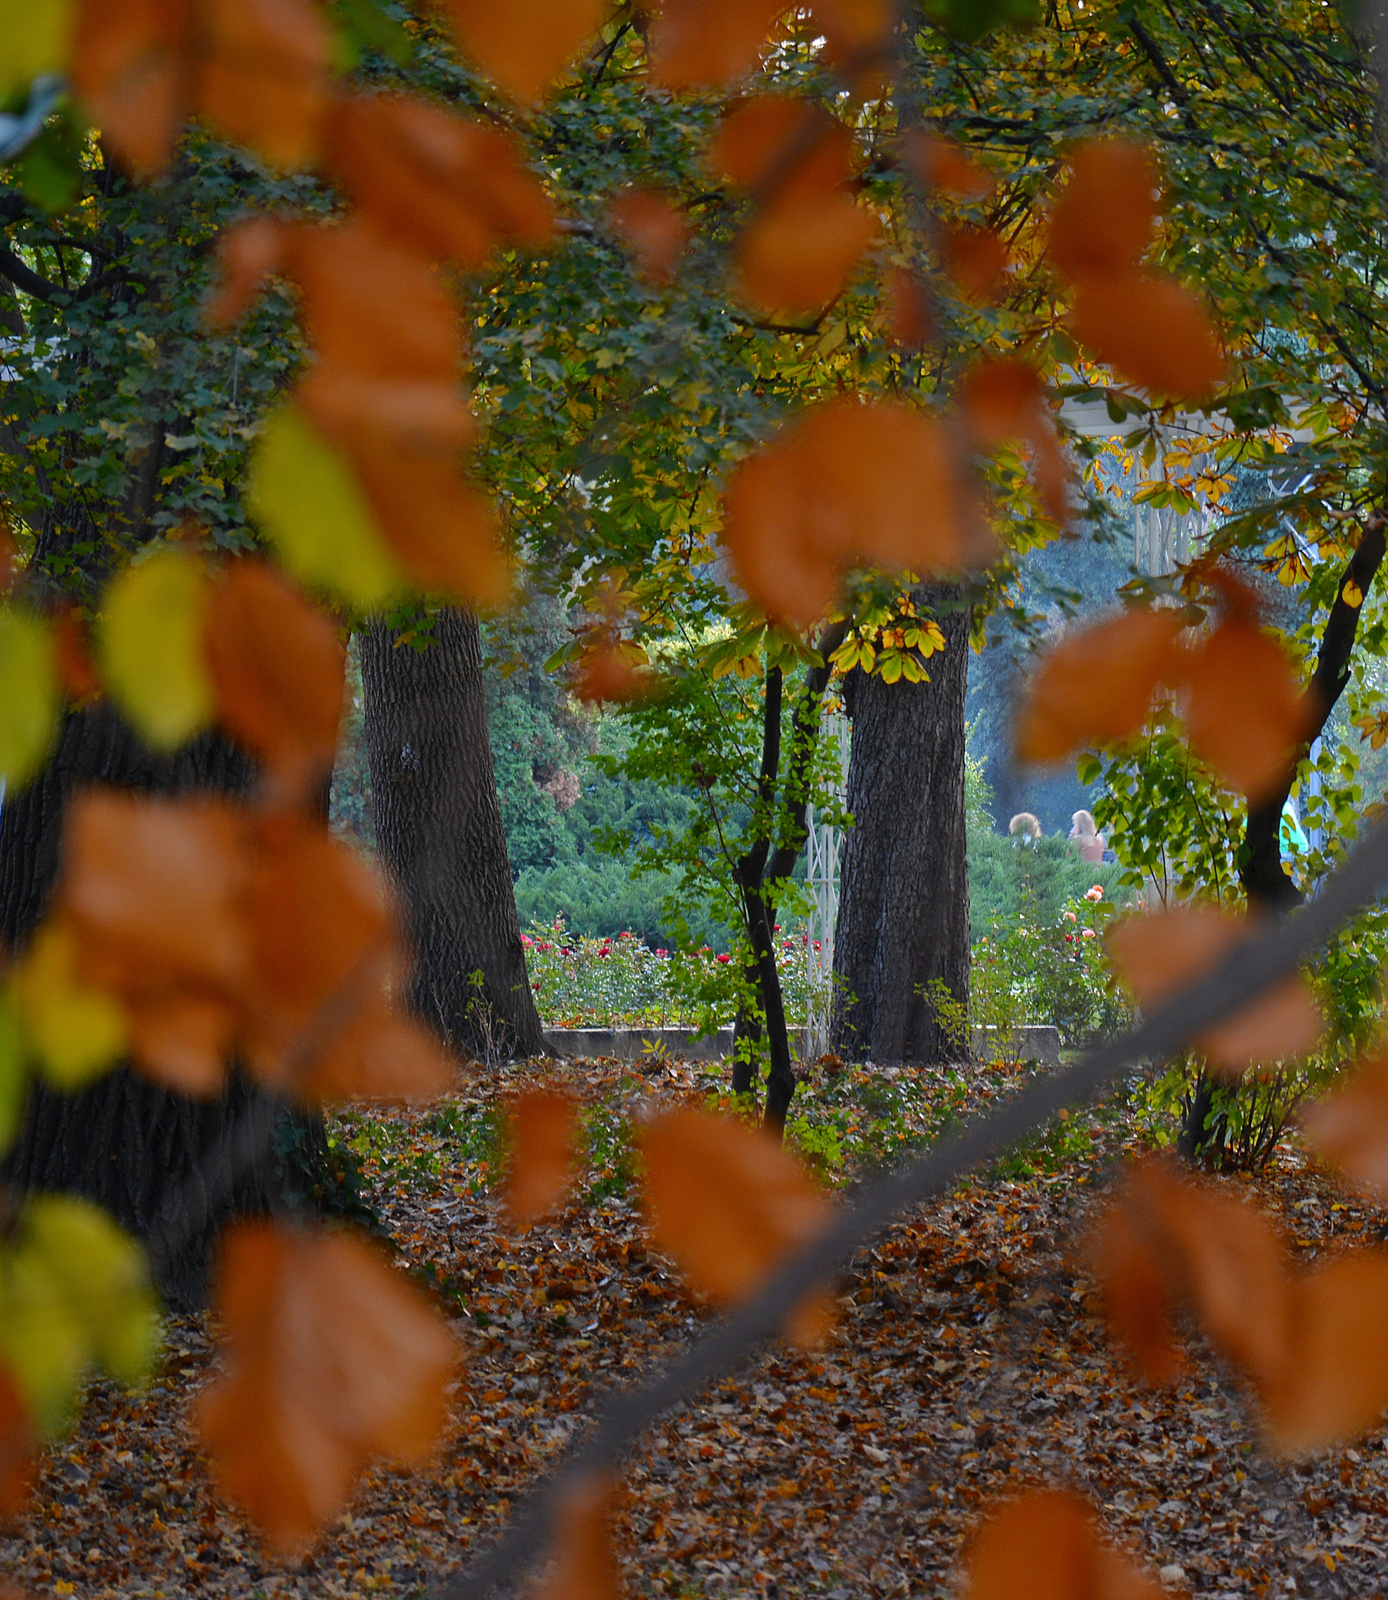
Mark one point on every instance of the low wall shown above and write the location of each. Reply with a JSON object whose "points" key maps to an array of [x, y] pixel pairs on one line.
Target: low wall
{"points": [[626, 1044]]}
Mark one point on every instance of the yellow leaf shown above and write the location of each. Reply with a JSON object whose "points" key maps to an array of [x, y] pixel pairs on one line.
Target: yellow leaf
{"points": [[14, 1076], [35, 36], [1352, 595], [76, 1032], [28, 695], [309, 501], [151, 645]]}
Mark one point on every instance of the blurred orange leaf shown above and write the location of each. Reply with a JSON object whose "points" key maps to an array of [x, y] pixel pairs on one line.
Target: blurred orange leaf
{"points": [[941, 164], [1104, 219], [653, 227], [585, 1564], [129, 71], [331, 1358], [277, 667], [857, 39], [1157, 952], [976, 258], [453, 187], [847, 481], [1151, 330], [544, 1130], [706, 43], [1349, 1127], [18, 1447], [610, 671], [377, 1056], [264, 75], [524, 45], [798, 251], [1245, 712], [1097, 684], [1046, 1546], [72, 652], [729, 1202], [909, 305], [1004, 398]]}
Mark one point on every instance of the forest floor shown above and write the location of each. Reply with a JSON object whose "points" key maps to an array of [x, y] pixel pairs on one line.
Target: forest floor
{"points": [[969, 1362]]}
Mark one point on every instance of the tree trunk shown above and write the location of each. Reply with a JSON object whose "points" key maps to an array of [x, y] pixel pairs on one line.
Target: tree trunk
{"points": [[124, 1143], [904, 891], [438, 829]]}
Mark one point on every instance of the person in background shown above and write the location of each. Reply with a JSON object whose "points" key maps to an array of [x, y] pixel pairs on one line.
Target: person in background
{"points": [[1085, 838], [1025, 827]]}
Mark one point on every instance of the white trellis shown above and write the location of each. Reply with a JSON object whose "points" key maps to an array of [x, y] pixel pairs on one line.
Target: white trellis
{"points": [[823, 848]]}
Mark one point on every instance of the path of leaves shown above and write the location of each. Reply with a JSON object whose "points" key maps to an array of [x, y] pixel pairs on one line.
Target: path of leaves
{"points": [[969, 1361]]}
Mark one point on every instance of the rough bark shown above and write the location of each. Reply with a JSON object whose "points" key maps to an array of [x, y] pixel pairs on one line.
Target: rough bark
{"points": [[122, 1142], [904, 889], [438, 829]]}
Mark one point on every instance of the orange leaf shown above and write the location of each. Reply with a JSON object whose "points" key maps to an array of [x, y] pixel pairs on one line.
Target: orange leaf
{"points": [[610, 672], [331, 1358], [453, 187], [653, 227], [1151, 330], [976, 258], [1046, 1546], [1097, 685], [182, 1039], [857, 38], [706, 43], [910, 308], [264, 78], [17, 1447], [847, 480], [1350, 1126], [1170, 1242], [524, 45], [1245, 712], [1339, 1384], [1105, 217], [727, 1201], [318, 919], [129, 69], [585, 1565], [247, 254], [941, 164], [75, 668], [1158, 952], [380, 1057], [797, 256], [783, 148], [1004, 398], [543, 1133], [277, 667]]}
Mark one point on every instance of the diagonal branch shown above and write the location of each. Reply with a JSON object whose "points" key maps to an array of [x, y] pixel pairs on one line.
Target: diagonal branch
{"points": [[1242, 977]]}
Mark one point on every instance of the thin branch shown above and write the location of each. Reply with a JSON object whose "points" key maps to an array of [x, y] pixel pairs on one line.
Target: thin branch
{"points": [[1252, 968]]}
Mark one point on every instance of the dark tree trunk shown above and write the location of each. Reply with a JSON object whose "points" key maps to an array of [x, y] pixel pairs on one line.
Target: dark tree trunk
{"points": [[904, 889], [438, 829], [124, 1143]]}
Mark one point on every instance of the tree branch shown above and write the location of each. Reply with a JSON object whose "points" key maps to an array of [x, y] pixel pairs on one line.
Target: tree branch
{"points": [[28, 281]]}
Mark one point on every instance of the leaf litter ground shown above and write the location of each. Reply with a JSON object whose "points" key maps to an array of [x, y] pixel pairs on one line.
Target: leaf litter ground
{"points": [[969, 1362]]}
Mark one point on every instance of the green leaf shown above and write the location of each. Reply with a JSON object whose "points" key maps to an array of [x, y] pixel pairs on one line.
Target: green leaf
{"points": [[50, 169], [151, 645], [1088, 768], [311, 505], [35, 37], [367, 26], [28, 695], [971, 19]]}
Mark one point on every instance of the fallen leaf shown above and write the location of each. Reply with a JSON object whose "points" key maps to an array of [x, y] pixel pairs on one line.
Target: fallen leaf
{"points": [[543, 1139], [729, 1203], [1096, 685], [330, 1359], [1159, 952], [524, 45]]}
